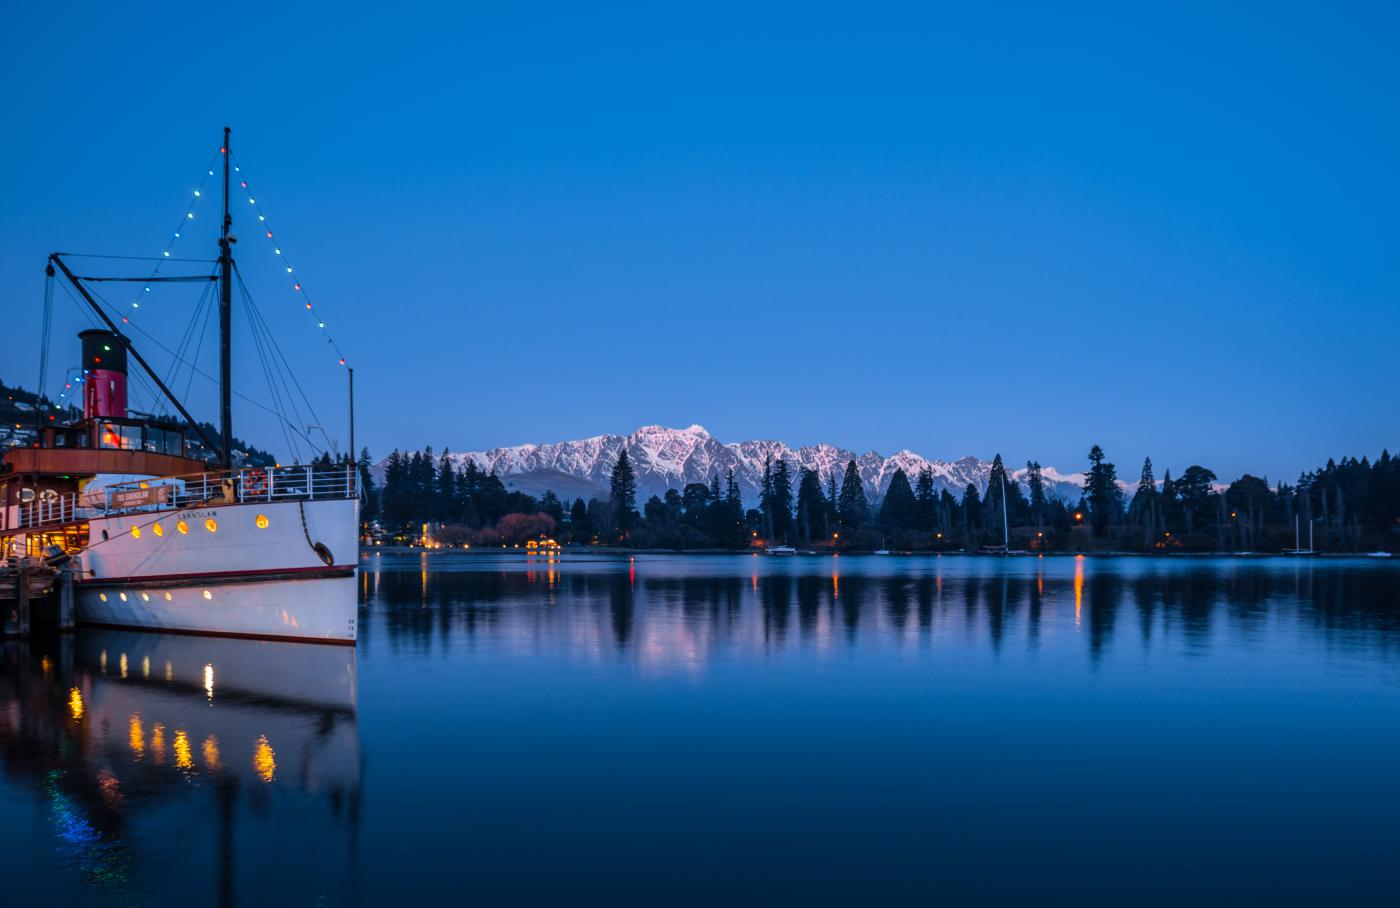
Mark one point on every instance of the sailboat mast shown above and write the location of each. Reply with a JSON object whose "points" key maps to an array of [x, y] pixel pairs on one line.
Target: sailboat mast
{"points": [[226, 323]]}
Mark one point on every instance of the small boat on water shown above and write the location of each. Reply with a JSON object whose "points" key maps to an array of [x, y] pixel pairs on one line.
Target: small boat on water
{"points": [[780, 550], [162, 539]]}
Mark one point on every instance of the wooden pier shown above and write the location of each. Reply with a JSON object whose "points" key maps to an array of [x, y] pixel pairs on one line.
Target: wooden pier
{"points": [[31, 590]]}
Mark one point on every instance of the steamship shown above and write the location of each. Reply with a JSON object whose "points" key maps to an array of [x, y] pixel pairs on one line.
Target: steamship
{"points": [[160, 539]]}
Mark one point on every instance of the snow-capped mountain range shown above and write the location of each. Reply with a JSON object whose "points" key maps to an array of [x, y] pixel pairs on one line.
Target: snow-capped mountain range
{"points": [[665, 458]]}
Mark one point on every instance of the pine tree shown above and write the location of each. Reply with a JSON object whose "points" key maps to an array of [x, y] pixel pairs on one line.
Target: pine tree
{"points": [[833, 509], [622, 496], [765, 497], [899, 512], [445, 489], [811, 506], [1101, 490], [734, 536], [926, 500], [369, 510], [1035, 484], [971, 508], [782, 501], [852, 506], [994, 504], [579, 530], [1143, 509]]}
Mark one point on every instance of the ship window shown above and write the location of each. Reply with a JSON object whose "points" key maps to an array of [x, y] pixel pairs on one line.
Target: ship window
{"points": [[158, 529], [211, 525], [168, 597], [261, 521], [26, 495], [145, 597], [182, 527], [121, 596], [135, 532], [103, 597], [162, 441], [208, 595]]}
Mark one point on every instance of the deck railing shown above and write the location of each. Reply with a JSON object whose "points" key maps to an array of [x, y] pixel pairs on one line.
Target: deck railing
{"points": [[298, 483]]}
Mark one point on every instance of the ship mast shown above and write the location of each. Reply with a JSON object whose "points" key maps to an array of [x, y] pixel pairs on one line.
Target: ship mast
{"points": [[225, 322]]}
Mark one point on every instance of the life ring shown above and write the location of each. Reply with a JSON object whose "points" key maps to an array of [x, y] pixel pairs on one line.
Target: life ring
{"points": [[254, 482]]}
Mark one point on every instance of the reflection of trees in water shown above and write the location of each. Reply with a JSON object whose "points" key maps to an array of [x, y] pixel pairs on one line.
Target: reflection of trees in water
{"points": [[1171, 600]]}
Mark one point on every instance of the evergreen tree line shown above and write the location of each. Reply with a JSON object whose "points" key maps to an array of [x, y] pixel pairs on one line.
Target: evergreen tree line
{"points": [[1353, 505]]}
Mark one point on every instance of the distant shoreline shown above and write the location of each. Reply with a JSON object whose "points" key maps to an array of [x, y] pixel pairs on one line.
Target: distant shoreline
{"points": [[614, 552]]}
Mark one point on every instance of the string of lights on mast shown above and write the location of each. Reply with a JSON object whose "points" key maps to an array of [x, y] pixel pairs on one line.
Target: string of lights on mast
{"points": [[266, 228], [177, 234]]}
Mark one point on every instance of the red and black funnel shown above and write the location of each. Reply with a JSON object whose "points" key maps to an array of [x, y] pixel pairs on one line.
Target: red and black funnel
{"points": [[104, 389]]}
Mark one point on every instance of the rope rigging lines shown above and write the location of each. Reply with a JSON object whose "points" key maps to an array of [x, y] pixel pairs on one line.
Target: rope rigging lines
{"points": [[289, 402]]}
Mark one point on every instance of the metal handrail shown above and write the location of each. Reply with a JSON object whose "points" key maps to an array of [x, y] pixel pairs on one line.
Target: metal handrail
{"points": [[251, 484]]}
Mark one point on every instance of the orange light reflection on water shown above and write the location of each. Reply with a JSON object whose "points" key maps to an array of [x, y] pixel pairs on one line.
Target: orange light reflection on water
{"points": [[1078, 588]]}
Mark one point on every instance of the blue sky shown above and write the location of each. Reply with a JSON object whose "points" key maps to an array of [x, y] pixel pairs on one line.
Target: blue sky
{"points": [[1170, 233]]}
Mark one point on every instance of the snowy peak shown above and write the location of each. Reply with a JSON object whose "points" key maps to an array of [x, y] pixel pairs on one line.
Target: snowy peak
{"points": [[666, 458]]}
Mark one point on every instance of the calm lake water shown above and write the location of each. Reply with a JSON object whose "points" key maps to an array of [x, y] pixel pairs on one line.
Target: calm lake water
{"points": [[731, 729]]}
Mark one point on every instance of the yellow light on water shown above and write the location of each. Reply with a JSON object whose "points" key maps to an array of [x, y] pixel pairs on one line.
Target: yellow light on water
{"points": [[184, 759], [158, 742], [211, 753], [264, 759], [135, 736], [209, 681], [75, 703]]}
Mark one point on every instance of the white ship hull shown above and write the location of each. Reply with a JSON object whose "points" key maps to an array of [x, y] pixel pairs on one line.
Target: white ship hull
{"points": [[274, 569]]}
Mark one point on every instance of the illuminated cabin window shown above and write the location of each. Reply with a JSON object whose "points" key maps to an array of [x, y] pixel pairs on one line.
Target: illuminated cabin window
{"points": [[145, 597], [211, 525], [121, 596], [182, 527], [102, 596], [261, 521], [208, 595], [168, 597], [135, 532], [158, 529]]}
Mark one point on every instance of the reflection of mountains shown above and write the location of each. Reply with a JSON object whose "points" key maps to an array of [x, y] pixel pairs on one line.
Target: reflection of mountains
{"points": [[114, 725], [658, 611]]}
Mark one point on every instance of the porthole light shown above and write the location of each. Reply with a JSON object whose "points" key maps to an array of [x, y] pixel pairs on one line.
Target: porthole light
{"points": [[261, 521], [135, 532], [145, 597], [158, 529], [168, 597], [182, 527], [208, 595], [211, 525], [121, 596], [102, 596]]}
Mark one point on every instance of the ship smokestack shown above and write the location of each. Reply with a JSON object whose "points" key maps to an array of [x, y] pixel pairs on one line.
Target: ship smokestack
{"points": [[104, 390]]}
